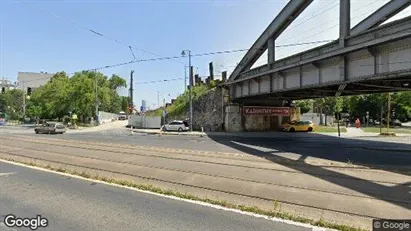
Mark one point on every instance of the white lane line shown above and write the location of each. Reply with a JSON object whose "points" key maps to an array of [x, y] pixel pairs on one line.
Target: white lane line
{"points": [[262, 149], [7, 173], [279, 220]]}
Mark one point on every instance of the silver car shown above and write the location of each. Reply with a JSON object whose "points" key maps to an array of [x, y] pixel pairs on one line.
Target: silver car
{"points": [[176, 125], [50, 128]]}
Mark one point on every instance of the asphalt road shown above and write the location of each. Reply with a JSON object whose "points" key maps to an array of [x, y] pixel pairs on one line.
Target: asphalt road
{"points": [[371, 151], [75, 204]]}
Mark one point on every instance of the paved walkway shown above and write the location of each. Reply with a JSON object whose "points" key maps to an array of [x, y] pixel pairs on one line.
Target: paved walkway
{"points": [[354, 132], [106, 126]]}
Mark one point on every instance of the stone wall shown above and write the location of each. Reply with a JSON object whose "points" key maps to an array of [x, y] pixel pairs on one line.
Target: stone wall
{"points": [[208, 111]]}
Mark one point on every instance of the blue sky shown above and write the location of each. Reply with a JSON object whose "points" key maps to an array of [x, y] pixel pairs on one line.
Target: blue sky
{"points": [[33, 38]]}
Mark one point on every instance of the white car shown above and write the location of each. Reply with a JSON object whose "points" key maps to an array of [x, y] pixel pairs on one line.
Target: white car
{"points": [[176, 125]]}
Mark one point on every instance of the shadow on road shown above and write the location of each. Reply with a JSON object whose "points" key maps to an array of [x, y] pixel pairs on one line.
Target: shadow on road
{"points": [[291, 150]]}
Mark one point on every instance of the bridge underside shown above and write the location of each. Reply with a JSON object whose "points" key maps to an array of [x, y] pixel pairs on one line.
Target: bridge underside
{"points": [[378, 60], [400, 83], [366, 59]]}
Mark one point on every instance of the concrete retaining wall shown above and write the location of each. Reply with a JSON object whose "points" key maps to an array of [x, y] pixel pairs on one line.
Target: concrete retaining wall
{"points": [[106, 117], [138, 121]]}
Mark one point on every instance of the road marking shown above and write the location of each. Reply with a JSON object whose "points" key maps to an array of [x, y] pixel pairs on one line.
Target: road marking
{"points": [[7, 173], [274, 219], [262, 149]]}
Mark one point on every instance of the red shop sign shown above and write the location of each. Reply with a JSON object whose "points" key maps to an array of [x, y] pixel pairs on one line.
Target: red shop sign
{"points": [[266, 111]]}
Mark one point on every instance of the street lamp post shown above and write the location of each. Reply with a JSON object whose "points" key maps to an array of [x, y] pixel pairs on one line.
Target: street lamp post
{"points": [[24, 101], [368, 117], [96, 83], [185, 78], [183, 53], [388, 112]]}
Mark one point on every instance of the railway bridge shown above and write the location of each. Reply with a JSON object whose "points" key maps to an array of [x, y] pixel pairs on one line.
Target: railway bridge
{"points": [[366, 58]]}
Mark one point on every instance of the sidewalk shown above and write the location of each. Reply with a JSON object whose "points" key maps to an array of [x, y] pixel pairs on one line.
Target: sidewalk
{"points": [[351, 132], [102, 127], [209, 134]]}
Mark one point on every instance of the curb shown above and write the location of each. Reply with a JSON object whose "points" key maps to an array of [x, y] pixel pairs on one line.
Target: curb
{"points": [[170, 134], [389, 149]]}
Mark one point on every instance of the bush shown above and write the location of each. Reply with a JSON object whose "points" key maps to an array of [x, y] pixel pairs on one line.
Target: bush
{"points": [[66, 119]]}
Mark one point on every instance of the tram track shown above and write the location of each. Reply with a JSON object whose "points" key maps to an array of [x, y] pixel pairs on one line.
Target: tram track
{"points": [[185, 154], [201, 170], [267, 199], [380, 196]]}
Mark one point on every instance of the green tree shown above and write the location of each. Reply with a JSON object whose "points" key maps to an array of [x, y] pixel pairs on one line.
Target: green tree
{"points": [[76, 94], [304, 105], [329, 105], [125, 102], [11, 102], [116, 82]]}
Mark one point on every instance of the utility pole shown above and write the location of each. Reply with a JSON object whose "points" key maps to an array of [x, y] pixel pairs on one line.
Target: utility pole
{"points": [[191, 90], [24, 100], [388, 112], [191, 86], [185, 78], [96, 83], [131, 92], [382, 111]]}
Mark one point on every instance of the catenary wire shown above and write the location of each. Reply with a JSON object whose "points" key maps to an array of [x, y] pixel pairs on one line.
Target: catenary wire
{"points": [[175, 79], [361, 65], [98, 33]]}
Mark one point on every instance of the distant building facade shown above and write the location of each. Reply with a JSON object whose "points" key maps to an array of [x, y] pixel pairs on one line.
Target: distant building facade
{"points": [[143, 106], [6, 84], [32, 80]]}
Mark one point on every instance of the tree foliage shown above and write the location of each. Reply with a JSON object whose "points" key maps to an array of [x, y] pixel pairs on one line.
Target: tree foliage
{"points": [[359, 105], [11, 103], [304, 105], [77, 94]]}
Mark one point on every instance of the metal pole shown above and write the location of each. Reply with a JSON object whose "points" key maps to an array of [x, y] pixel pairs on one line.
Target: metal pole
{"points": [[24, 102], [388, 112], [338, 123], [95, 80], [191, 86], [131, 106], [185, 78], [382, 110], [368, 118]]}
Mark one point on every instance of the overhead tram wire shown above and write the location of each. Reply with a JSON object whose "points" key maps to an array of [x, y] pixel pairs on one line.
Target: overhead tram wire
{"points": [[291, 45], [170, 58], [297, 20], [313, 16], [329, 21], [99, 34], [175, 79], [361, 65], [193, 55]]}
